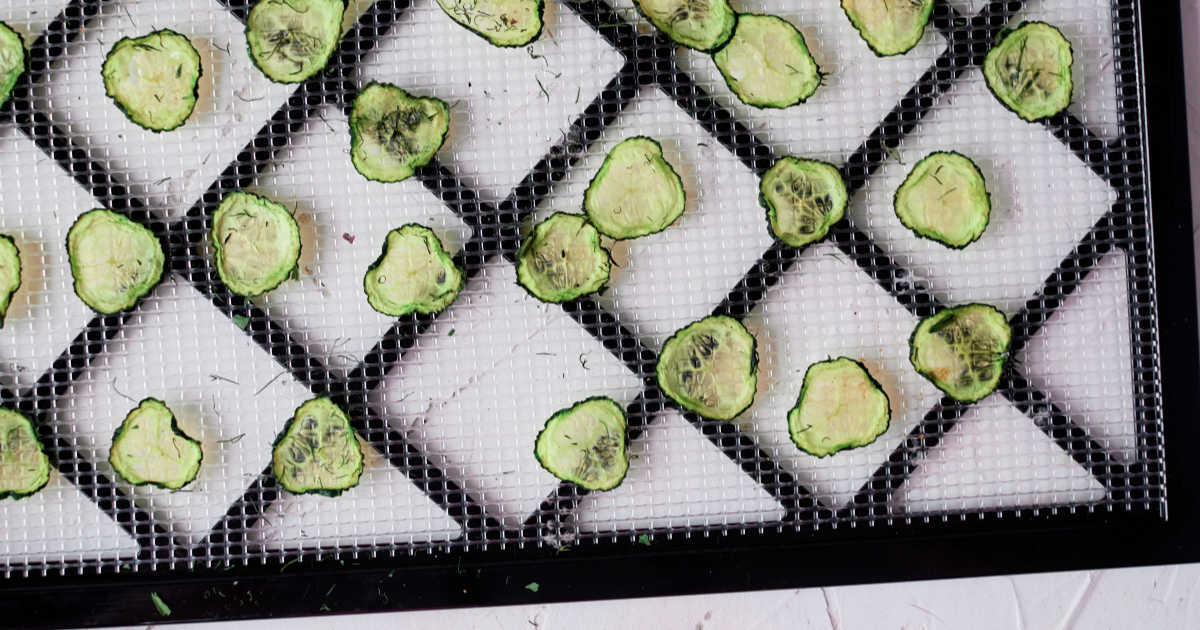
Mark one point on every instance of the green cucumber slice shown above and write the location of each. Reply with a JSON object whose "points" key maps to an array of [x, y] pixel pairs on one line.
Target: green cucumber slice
{"points": [[318, 453], [840, 407], [257, 243], [703, 25], [562, 259], [1029, 70], [636, 191], [585, 444], [767, 63], [150, 448], [944, 199], [12, 61], [24, 467], [502, 22], [153, 79], [710, 367], [114, 261], [291, 40], [890, 27], [803, 198], [392, 133], [10, 274], [962, 350], [412, 274]]}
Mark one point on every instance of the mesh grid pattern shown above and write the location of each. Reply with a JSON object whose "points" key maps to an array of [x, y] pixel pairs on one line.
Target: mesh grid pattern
{"points": [[447, 407]]}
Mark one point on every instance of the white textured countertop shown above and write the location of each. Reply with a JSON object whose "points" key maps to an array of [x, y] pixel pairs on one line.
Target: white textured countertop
{"points": [[1153, 597]]}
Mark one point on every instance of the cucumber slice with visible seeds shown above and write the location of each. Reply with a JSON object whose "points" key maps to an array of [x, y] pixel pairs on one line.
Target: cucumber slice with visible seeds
{"points": [[149, 448], [291, 40], [10, 274], [702, 25], [585, 444], [944, 199], [153, 79], [840, 406], [317, 452], [890, 27], [767, 63], [257, 243], [962, 350], [1029, 70], [710, 367], [114, 261], [803, 198], [413, 274], [501, 22], [24, 467], [392, 133], [562, 259], [636, 191], [12, 61]]}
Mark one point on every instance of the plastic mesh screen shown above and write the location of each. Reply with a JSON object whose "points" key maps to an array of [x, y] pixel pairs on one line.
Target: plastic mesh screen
{"points": [[447, 407]]}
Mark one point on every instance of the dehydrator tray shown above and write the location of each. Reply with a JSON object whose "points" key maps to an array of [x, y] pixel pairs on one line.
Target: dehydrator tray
{"points": [[1069, 465]]}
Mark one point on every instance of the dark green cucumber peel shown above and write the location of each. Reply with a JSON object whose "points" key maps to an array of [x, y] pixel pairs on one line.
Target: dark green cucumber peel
{"points": [[317, 452], [256, 241], [803, 199], [586, 444], [962, 350], [702, 25], [10, 274], [114, 261], [413, 273], [635, 192], [944, 198], [12, 61], [149, 448], [393, 133], [710, 367], [154, 79], [292, 40], [889, 27], [24, 466], [562, 259], [1034, 82], [840, 406], [503, 23], [767, 63]]}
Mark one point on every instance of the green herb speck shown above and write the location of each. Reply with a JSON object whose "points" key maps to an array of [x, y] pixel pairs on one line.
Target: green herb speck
{"points": [[159, 605], [533, 587], [241, 321], [643, 540]]}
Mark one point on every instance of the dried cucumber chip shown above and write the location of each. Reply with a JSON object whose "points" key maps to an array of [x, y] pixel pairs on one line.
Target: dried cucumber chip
{"points": [[291, 40], [585, 444], [153, 79], [710, 367], [392, 133], [636, 191], [114, 261], [840, 406], [413, 274], [804, 198], [767, 63], [962, 350], [1029, 70], [562, 259], [257, 243], [944, 199], [318, 453], [149, 448]]}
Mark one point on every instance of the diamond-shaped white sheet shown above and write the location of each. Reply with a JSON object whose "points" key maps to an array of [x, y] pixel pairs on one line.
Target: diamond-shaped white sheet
{"points": [[169, 169], [225, 392], [479, 386], [507, 105]]}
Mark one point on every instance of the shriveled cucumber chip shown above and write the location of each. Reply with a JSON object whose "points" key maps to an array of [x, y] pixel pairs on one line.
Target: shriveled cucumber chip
{"points": [[291, 40], [962, 350], [501, 22], [840, 407], [392, 133], [636, 191], [12, 61], [114, 261], [413, 274], [890, 27], [703, 25], [24, 467], [149, 448], [944, 199], [562, 259], [585, 444], [710, 367], [257, 243], [804, 198], [1029, 70], [10, 274], [317, 452], [153, 79], [767, 63]]}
